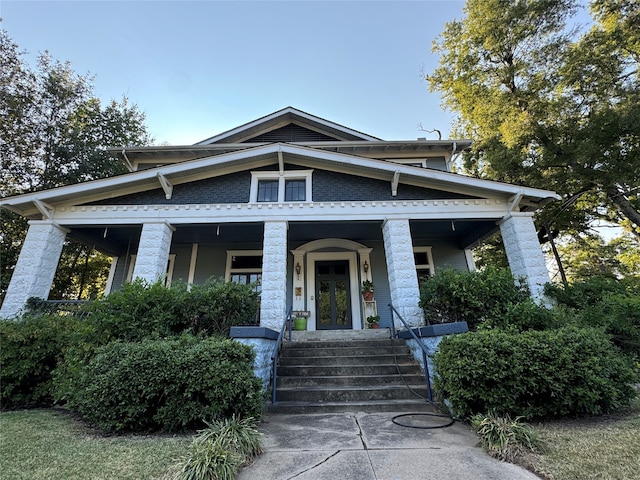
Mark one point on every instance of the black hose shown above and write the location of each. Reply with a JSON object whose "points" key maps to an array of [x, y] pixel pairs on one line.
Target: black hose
{"points": [[394, 420]]}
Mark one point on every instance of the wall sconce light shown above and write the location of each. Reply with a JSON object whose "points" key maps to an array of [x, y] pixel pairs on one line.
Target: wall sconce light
{"points": [[298, 269], [365, 267]]}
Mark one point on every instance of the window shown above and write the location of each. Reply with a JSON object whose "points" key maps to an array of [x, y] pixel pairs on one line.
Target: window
{"points": [[290, 186], [244, 267], [424, 263], [268, 191], [294, 190]]}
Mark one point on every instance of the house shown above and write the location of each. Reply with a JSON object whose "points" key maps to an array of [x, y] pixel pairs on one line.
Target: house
{"points": [[306, 207]]}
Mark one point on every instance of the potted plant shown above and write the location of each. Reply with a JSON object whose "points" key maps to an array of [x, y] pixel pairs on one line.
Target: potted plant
{"points": [[300, 323], [373, 321], [367, 290]]}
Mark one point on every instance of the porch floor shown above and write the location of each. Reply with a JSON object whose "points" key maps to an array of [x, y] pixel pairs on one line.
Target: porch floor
{"points": [[337, 335]]}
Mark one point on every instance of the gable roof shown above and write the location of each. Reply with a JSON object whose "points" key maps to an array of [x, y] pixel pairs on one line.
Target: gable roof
{"points": [[32, 204], [281, 118]]}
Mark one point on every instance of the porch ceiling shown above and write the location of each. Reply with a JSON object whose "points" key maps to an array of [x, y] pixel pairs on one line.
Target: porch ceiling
{"points": [[118, 239]]}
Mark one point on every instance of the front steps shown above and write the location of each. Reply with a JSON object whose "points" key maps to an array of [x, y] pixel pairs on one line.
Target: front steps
{"points": [[348, 371]]}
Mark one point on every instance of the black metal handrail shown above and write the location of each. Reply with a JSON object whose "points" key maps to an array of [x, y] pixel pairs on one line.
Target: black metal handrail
{"points": [[276, 352], [422, 347]]}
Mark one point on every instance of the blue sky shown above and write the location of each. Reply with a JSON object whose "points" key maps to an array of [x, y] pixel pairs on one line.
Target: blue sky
{"points": [[199, 68]]}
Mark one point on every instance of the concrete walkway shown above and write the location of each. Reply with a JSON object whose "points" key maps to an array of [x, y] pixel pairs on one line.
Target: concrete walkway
{"points": [[363, 446]]}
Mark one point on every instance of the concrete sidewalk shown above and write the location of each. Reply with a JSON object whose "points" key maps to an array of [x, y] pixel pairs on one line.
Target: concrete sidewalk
{"points": [[363, 446]]}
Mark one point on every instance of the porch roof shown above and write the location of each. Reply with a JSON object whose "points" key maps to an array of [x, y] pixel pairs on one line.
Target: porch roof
{"points": [[43, 203]]}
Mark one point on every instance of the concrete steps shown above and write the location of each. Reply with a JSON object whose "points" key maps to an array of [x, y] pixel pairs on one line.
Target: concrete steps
{"points": [[324, 372]]}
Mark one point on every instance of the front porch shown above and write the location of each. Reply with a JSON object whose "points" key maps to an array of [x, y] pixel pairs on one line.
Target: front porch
{"points": [[312, 266]]}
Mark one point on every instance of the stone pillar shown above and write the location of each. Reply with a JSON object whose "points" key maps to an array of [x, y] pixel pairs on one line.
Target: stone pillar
{"points": [[403, 279], [273, 302], [153, 252], [36, 266], [524, 253]]}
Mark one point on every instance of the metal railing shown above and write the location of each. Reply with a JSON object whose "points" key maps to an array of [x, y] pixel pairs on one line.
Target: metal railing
{"points": [[276, 351], [425, 354]]}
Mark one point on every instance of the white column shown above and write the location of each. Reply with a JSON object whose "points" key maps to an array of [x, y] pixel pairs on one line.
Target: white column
{"points": [[36, 266], [403, 279], [153, 252], [524, 253], [273, 303]]}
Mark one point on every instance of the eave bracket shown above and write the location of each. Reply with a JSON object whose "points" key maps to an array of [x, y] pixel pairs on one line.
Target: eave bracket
{"points": [[166, 186], [394, 183]]}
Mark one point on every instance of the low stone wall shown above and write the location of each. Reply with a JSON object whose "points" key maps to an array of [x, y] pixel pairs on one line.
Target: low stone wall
{"points": [[263, 341]]}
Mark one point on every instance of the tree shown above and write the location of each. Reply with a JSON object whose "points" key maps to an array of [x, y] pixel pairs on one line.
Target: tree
{"points": [[548, 107], [54, 132]]}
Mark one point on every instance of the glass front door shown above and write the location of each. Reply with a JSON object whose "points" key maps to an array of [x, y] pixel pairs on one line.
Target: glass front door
{"points": [[333, 305]]}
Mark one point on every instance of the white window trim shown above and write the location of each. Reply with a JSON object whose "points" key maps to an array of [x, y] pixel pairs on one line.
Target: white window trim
{"points": [[168, 277], [288, 175], [429, 265], [240, 253]]}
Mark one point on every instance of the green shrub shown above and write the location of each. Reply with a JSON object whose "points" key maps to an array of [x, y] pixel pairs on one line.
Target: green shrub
{"points": [[452, 295], [213, 308], [210, 460], [613, 305], [138, 311], [505, 438], [32, 347], [238, 434], [221, 449], [166, 384], [526, 315], [553, 373]]}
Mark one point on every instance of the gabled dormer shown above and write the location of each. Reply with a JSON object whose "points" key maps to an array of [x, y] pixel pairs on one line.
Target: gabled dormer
{"points": [[288, 125]]}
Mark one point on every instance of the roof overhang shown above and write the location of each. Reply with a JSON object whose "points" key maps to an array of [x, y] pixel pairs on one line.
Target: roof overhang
{"points": [[133, 156], [31, 204], [283, 117]]}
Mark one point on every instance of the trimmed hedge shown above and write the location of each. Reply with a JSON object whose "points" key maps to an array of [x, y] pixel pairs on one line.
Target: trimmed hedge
{"points": [[553, 373], [31, 349], [167, 384]]}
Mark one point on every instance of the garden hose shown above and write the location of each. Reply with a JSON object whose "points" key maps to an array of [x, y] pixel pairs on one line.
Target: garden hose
{"points": [[450, 419]]}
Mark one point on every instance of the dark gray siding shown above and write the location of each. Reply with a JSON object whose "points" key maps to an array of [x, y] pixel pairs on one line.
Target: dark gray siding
{"points": [[292, 133], [233, 188], [332, 186]]}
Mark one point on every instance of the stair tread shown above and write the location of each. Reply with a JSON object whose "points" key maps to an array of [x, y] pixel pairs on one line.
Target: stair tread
{"points": [[351, 387]]}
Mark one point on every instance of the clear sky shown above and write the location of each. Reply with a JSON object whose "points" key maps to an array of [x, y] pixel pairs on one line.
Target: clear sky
{"points": [[199, 68]]}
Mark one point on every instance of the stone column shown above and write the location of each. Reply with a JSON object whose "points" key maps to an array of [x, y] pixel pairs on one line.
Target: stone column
{"points": [[524, 253], [403, 279], [36, 266], [153, 252], [273, 302]]}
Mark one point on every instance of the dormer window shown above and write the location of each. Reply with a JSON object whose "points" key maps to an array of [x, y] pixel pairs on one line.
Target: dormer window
{"points": [[274, 187]]}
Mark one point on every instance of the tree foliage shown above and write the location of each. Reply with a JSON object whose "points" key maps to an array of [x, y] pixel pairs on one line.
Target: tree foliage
{"points": [[549, 106], [54, 132]]}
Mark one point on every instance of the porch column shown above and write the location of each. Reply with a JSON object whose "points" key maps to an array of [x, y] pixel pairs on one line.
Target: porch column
{"points": [[273, 304], [403, 280], [36, 266], [153, 252], [524, 253]]}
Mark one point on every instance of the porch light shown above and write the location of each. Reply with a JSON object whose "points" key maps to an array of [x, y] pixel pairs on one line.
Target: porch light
{"points": [[365, 267], [298, 269]]}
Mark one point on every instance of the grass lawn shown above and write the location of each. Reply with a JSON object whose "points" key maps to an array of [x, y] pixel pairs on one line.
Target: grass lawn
{"points": [[50, 444], [606, 447]]}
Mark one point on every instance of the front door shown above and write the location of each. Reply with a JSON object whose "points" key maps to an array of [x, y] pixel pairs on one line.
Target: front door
{"points": [[333, 305]]}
